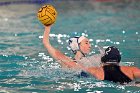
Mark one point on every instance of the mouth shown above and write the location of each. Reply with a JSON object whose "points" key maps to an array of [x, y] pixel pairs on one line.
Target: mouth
{"points": [[88, 50]]}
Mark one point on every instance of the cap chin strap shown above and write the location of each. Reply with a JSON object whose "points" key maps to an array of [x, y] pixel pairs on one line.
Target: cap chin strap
{"points": [[111, 62], [82, 53], [79, 51]]}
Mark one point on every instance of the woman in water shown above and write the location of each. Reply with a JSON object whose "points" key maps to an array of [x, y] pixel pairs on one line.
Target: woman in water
{"points": [[110, 69], [80, 47]]}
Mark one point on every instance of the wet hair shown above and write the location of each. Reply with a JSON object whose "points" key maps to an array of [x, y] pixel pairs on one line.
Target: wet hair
{"points": [[111, 55]]}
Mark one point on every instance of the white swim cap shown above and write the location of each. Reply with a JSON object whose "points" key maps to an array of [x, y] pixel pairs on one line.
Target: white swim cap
{"points": [[74, 43]]}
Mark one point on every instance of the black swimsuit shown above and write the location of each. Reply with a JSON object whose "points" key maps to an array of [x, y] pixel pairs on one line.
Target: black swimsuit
{"points": [[113, 73]]}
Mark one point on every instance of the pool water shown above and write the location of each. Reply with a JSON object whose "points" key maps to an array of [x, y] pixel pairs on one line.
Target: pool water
{"points": [[26, 66]]}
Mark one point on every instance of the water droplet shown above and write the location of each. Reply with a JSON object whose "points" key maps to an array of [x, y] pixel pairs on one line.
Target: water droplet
{"points": [[90, 39], [40, 36], [83, 34], [123, 31], [59, 40], [107, 40], [96, 46], [15, 34], [117, 43], [5, 19]]}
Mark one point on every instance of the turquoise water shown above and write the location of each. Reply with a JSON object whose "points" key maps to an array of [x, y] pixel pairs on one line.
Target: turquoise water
{"points": [[26, 66]]}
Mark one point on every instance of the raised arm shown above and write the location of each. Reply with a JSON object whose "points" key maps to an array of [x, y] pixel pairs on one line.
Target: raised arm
{"points": [[56, 54]]}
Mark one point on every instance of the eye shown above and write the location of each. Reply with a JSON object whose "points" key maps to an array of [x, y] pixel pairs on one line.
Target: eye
{"points": [[87, 42]]}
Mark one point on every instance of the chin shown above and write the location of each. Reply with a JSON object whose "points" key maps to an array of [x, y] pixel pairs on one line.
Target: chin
{"points": [[87, 52]]}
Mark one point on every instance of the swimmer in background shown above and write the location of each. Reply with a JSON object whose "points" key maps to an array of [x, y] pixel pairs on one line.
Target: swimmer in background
{"points": [[111, 70], [80, 47]]}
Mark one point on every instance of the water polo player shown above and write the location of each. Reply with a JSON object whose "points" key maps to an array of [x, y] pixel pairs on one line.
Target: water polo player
{"points": [[80, 47], [111, 70]]}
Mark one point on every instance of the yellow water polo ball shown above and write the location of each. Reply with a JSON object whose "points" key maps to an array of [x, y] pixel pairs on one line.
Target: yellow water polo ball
{"points": [[47, 15]]}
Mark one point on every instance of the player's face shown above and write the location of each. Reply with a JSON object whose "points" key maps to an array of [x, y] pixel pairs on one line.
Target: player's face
{"points": [[85, 46]]}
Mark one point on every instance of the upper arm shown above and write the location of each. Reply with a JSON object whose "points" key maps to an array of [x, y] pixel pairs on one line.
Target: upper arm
{"points": [[92, 71], [56, 54], [64, 60], [60, 56], [136, 72]]}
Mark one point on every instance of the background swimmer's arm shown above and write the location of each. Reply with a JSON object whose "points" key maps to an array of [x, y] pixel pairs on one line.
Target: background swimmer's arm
{"points": [[136, 72], [96, 72], [56, 54]]}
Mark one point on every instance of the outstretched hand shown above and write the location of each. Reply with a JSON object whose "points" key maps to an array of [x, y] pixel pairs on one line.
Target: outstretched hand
{"points": [[46, 26]]}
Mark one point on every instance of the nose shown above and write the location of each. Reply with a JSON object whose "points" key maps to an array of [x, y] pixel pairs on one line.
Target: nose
{"points": [[89, 46]]}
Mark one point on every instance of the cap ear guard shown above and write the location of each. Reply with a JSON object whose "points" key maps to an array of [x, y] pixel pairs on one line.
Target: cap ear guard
{"points": [[73, 43]]}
